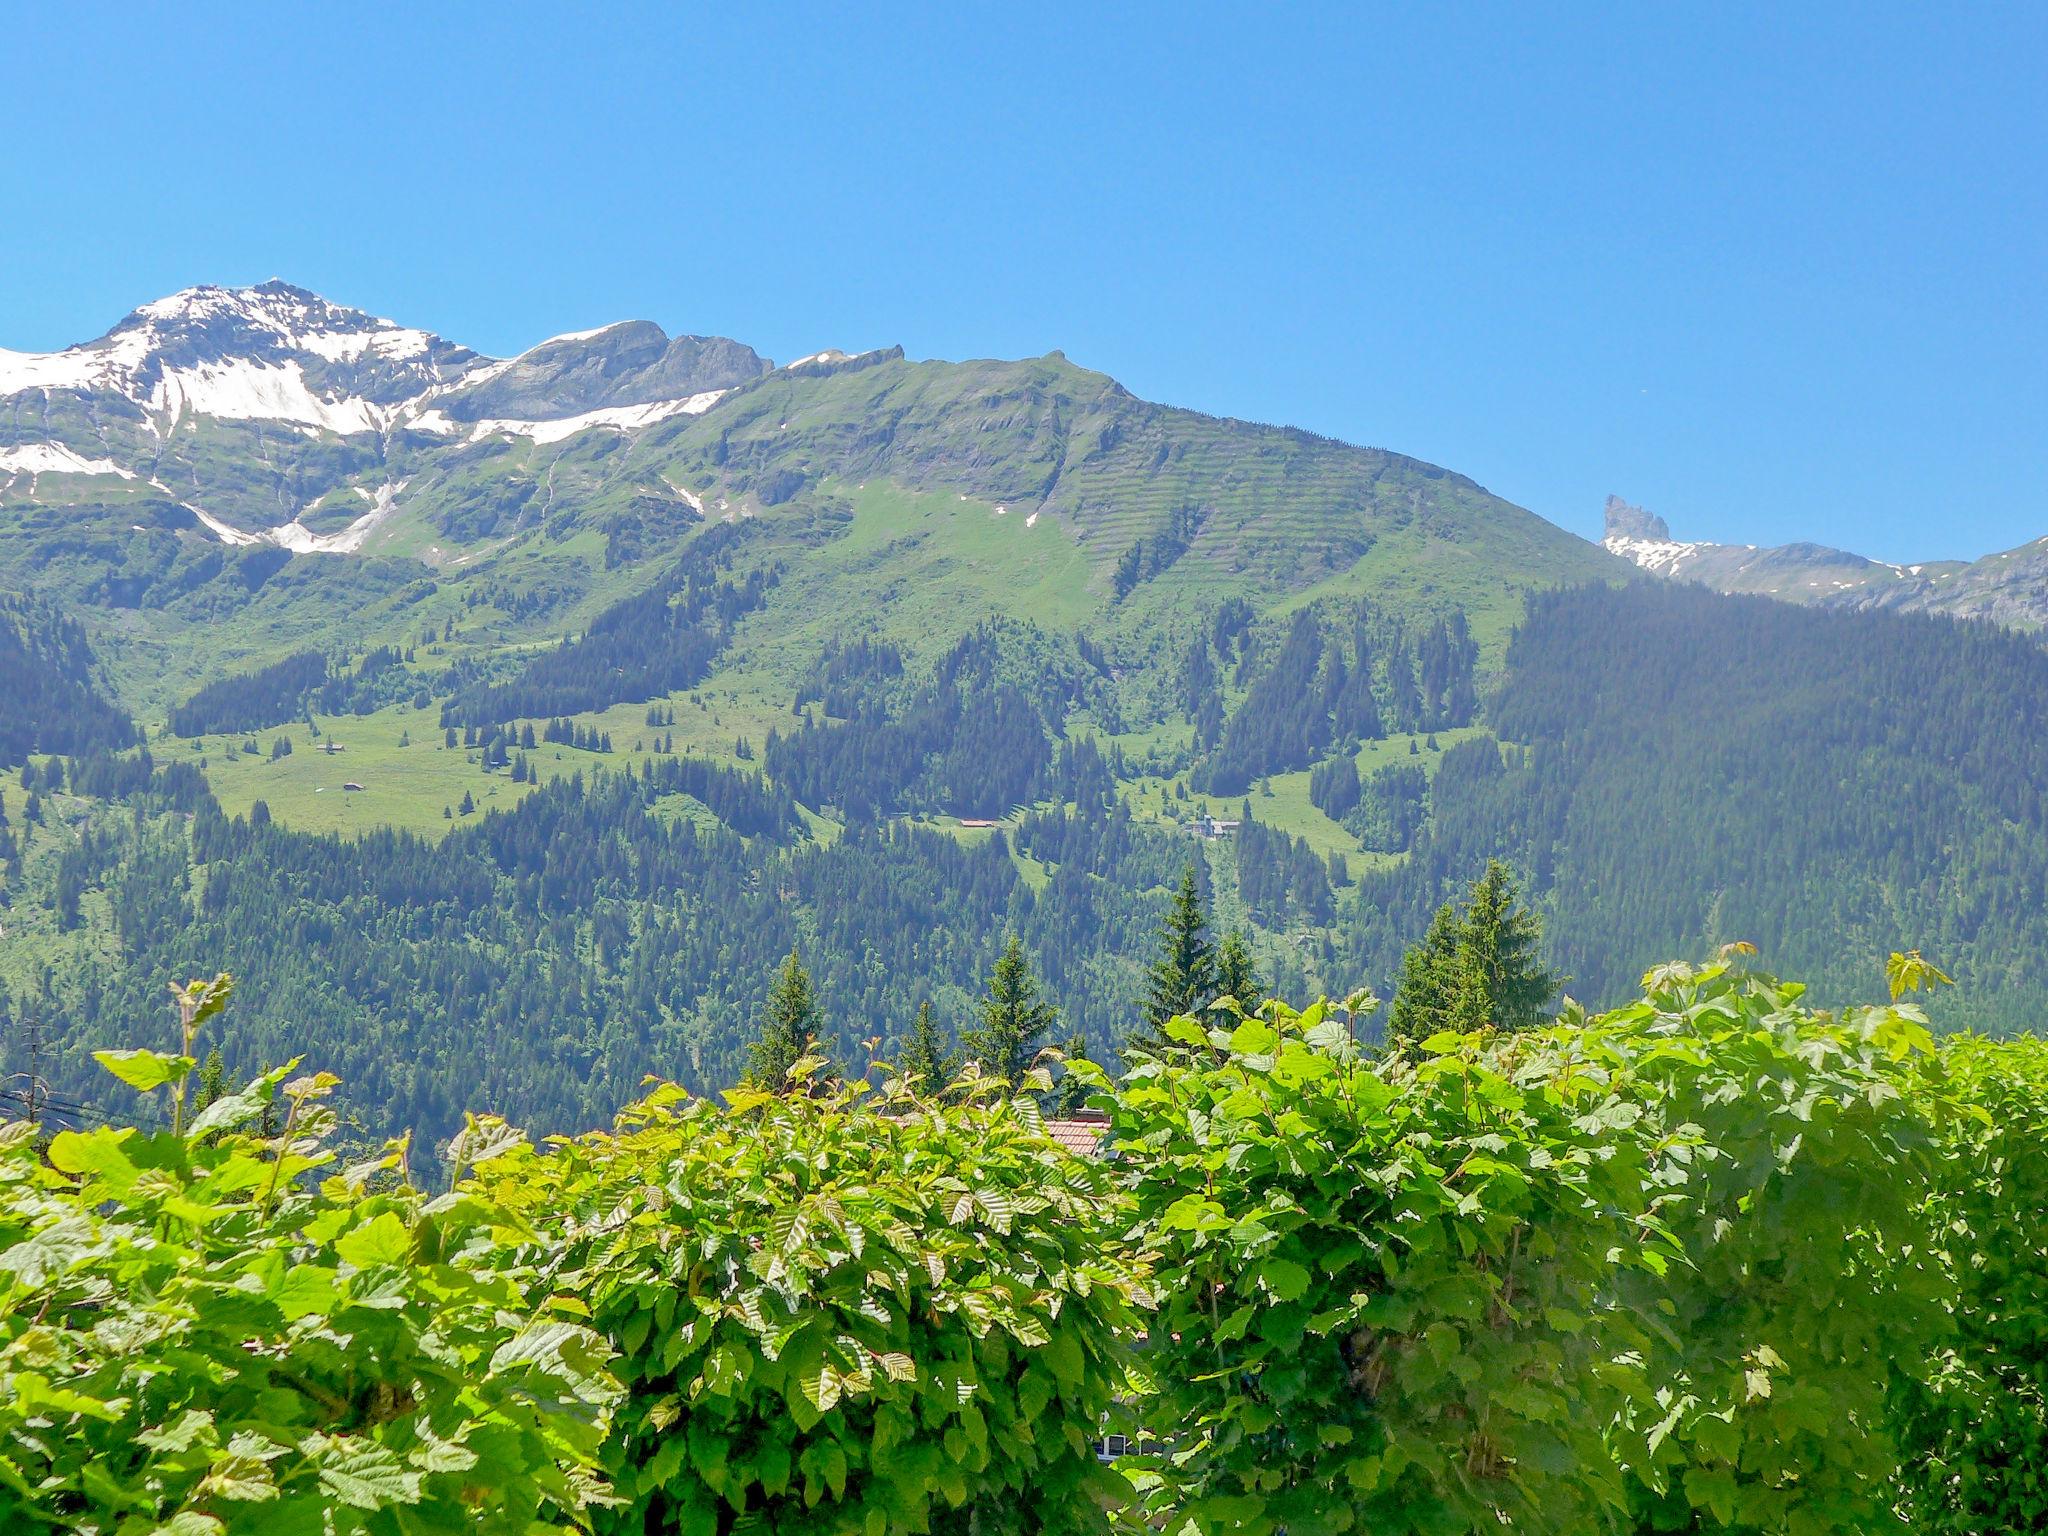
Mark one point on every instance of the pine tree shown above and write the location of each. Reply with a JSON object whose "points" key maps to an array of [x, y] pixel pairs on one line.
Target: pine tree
{"points": [[926, 1057], [1476, 967], [1014, 1019], [1235, 973], [1426, 997], [1507, 986], [789, 1031], [1183, 978], [212, 1083]]}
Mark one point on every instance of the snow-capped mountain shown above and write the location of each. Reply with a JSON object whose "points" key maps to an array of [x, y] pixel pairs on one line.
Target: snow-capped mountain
{"points": [[252, 408], [2010, 587], [272, 352]]}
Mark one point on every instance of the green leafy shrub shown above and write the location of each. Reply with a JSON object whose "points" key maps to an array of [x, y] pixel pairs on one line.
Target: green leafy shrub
{"points": [[198, 1338], [842, 1314], [1667, 1267], [1798, 1156], [1712, 1262], [1384, 1284], [1975, 1429]]}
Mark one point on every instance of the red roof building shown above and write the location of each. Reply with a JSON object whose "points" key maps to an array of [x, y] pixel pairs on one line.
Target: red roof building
{"points": [[1080, 1134]]}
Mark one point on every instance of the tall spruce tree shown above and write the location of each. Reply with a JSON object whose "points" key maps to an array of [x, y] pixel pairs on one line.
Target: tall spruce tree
{"points": [[1476, 968], [1183, 978], [1426, 999], [1236, 975], [212, 1083], [926, 1056], [1508, 987], [1015, 1020], [789, 1031]]}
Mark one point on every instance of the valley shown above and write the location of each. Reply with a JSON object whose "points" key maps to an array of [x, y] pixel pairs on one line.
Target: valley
{"points": [[539, 706]]}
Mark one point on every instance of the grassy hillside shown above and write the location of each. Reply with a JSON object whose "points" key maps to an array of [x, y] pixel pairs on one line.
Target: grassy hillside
{"points": [[1029, 557]]}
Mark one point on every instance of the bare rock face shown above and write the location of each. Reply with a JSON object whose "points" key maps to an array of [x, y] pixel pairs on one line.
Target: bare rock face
{"points": [[2009, 588], [632, 363], [1627, 521]]}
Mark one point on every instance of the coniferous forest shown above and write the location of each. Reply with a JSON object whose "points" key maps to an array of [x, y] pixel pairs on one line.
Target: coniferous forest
{"points": [[603, 933], [1874, 778]]}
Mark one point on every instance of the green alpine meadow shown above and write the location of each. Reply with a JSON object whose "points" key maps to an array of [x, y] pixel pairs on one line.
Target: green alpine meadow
{"points": [[516, 784], [907, 771]]}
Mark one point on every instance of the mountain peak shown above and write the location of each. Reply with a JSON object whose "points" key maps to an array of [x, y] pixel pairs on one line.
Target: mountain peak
{"points": [[627, 363], [271, 351], [1627, 521]]}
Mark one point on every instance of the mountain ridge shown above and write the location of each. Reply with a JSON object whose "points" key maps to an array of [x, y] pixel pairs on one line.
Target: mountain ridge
{"points": [[211, 433], [530, 743], [2006, 587]]}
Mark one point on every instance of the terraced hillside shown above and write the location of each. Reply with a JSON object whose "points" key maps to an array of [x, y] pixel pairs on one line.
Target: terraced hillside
{"points": [[508, 722]]}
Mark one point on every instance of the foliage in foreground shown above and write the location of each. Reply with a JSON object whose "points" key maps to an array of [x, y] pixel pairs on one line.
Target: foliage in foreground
{"points": [[1381, 1282], [203, 1330], [1977, 1424], [1672, 1268], [1798, 1147], [1713, 1262], [841, 1314]]}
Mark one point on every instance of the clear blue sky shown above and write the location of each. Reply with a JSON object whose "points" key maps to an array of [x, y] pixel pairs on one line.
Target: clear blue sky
{"points": [[1775, 275]]}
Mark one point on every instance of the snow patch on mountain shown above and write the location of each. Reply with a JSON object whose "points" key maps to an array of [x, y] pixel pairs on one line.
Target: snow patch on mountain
{"points": [[55, 459], [73, 368], [1663, 556], [690, 497], [620, 418], [578, 335], [301, 540], [239, 389], [396, 343], [231, 536]]}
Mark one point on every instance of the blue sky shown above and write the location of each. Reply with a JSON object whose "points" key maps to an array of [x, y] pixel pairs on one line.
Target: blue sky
{"points": [[1774, 275]]}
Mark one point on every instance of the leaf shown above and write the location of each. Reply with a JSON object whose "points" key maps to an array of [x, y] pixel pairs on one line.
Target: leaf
{"points": [[572, 1353], [383, 1239], [897, 1365], [1185, 1030], [304, 1289], [224, 1114], [822, 1387], [1192, 1213], [1287, 1280], [242, 1478], [1712, 1488], [94, 1152], [481, 1138], [144, 1070], [1904, 973], [186, 1431], [362, 1473]]}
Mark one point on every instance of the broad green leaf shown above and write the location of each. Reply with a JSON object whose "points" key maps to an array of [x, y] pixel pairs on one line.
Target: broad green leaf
{"points": [[1287, 1280], [144, 1070], [383, 1239], [97, 1152], [363, 1474]]}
